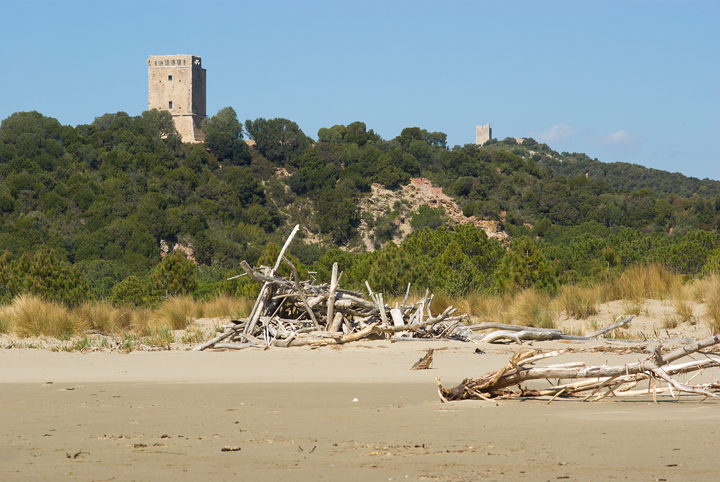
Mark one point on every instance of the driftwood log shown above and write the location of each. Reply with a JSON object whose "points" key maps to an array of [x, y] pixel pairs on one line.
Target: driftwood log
{"points": [[518, 334], [597, 381], [291, 312]]}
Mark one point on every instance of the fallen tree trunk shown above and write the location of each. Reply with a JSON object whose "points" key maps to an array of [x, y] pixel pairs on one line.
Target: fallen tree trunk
{"points": [[518, 333], [519, 336]]}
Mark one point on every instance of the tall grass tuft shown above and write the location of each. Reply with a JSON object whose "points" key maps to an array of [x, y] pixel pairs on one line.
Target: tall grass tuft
{"points": [[577, 302], [492, 308], [533, 308], [638, 283], [6, 319], [34, 316], [102, 316], [142, 321], [231, 306], [702, 288], [177, 312], [712, 298], [682, 306]]}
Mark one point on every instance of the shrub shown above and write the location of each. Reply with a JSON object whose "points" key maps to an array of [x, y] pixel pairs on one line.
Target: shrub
{"points": [[131, 291]]}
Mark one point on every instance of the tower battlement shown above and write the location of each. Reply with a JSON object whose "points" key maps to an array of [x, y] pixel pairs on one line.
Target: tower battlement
{"points": [[176, 83], [483, 134]]}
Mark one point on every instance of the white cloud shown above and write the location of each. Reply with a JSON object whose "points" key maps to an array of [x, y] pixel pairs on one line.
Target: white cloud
{"points": [[619, 138], [555, 134]]}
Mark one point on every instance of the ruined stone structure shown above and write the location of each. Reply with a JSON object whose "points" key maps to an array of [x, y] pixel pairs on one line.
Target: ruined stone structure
{"points": [[176, 83], [482, 134]]}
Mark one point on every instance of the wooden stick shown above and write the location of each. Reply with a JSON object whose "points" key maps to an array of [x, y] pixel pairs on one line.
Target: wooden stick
{"points": [[600, 387], [602, 331], [331, 298], [336, 322], [300, 290], [397, 319], [370, 291], [518, 336], [448, 311], [555, 396], [504, 326], [285, 247], [419, 313], [237, 346], [368, 330], [427, 308], [407, 293], [381, 307], [265, 291], [217, 339]]}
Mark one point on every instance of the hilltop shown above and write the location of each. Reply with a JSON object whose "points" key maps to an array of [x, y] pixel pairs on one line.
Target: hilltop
{"points": [[105, 196]]}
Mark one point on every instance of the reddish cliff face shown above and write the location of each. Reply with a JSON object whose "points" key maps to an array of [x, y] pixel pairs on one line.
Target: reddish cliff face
{"points": [[420, 192]]}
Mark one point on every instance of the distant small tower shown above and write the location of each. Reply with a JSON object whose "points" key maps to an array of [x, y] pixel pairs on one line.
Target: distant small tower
{"points": [[176, 83], [483, 134]]}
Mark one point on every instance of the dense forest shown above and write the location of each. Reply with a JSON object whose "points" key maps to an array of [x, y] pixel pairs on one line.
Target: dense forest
{"points": [[84, 209]]}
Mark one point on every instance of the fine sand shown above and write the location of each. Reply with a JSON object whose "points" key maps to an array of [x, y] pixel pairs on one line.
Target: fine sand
{"points": [[350, 413]]}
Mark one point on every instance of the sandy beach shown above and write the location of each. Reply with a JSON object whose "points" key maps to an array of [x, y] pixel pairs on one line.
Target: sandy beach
{"points": [[350, 413]]}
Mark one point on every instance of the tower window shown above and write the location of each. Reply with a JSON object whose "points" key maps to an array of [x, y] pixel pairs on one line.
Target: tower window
{"points": [[170, 105], [169, 77]]}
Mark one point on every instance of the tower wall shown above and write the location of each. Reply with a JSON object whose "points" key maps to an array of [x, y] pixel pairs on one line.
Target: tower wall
{"points": [[176, 83], [483, 134]]}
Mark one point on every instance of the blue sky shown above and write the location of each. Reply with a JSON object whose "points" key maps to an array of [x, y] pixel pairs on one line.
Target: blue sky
{"points": [[632, 81]]}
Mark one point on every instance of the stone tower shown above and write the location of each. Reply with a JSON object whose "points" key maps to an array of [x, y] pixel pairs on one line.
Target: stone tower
{"points": [[176, 83], [483, 134]]}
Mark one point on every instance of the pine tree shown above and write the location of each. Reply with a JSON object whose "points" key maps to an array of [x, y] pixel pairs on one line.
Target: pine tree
{"points": [[175, 275]]}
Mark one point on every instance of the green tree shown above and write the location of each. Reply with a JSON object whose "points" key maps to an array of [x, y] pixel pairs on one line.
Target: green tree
{"points": [[131, 291], [102, 276], [224, 137], [393, 268], [427, 217], [338, 213], [454, 273], [175, 275], [46, 275], [279, 140], [159, 123], [524, 267], [331, 136]]}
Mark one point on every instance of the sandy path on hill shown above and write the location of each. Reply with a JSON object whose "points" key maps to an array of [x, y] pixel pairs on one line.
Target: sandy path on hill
{"points": [[167, 415]]}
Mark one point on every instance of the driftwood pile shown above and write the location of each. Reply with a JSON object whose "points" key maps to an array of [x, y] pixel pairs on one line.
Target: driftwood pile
{"points": [[290, 312], [595, 382]]}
